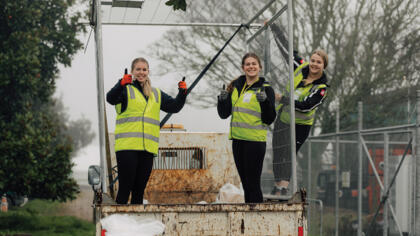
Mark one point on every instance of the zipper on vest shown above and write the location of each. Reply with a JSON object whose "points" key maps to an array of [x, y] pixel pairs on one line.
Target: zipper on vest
{"points": [[142, 119]]}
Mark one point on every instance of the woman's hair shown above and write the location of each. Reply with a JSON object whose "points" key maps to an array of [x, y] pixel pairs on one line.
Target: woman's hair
{"points": [[253, 55], [323, 55], [147, 86], [247, 55]]}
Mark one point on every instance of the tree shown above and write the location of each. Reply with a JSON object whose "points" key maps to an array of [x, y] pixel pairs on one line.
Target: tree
{"points": [[372, 45], [79, 131], [36, 37]]}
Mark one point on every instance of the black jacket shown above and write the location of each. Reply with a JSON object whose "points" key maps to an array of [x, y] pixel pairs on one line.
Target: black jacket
{"points": [[118, 94], [268, 111], [314, 99]]}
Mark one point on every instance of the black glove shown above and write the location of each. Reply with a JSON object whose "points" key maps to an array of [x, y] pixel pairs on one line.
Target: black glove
{"points": [[223, 94], [261, 95]]}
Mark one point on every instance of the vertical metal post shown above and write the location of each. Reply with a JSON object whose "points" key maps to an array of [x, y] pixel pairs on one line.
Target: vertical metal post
{"points": [[360, 172], [267, 55], [100, 92], [292, 99], [417, 171], [309, 179], [246, 42], [386, 183], [337, 169]]}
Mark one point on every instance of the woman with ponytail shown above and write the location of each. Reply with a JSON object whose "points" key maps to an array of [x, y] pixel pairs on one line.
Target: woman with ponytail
{"points": [[138, 106]]}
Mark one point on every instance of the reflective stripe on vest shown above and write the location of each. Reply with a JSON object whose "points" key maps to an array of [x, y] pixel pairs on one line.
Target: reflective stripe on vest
{"points": [[138, 127], [246, 123], [302, 118]]}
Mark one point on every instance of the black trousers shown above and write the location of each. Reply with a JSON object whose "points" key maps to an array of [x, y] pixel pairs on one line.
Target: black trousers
{"points": [[282, 163], [249, 158], [134, 169]]}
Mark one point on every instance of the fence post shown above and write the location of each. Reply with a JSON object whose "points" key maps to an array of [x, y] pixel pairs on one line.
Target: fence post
{"points": [[337, 169], [309, 180], [360, 173], [386, 183], [417, 184]]}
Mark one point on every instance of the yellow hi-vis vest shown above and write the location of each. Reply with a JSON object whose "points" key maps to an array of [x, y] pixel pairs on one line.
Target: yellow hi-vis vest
{"points": [[246, 123], [301, 118], [138, 126]]}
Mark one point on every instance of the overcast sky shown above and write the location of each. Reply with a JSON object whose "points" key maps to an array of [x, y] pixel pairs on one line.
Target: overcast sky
{"points": [[121, 44]]}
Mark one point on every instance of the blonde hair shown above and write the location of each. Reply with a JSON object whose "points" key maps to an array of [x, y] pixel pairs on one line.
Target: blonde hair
{"points": [[147, 85], [323, 55]]}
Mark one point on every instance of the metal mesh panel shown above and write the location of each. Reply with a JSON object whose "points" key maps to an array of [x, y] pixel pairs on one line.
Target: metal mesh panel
{"points": [[180, 158]]}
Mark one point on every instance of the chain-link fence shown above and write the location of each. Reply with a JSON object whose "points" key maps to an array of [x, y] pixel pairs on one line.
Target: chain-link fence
{"points": [[355, 152]]}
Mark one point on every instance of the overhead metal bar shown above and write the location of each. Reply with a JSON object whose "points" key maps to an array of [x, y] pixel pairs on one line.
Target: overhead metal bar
{"points": [[122, 3], [261, 11], [267, 24], [366, 131], [183, 24]]}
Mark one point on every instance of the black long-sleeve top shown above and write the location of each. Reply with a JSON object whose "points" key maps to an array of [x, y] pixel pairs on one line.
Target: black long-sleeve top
{"points": [[268, 112], [118, 94], [314, 99]]}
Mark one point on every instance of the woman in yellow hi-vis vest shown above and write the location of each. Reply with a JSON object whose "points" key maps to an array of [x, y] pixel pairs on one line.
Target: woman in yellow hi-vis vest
{"points": [[310, 90], [249, 100], [138, 106]]}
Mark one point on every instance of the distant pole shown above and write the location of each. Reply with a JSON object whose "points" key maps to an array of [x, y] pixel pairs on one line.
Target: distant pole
{"points": [[337, 169], [386, 184], [360, 179], [417, 208], [309, 179]]}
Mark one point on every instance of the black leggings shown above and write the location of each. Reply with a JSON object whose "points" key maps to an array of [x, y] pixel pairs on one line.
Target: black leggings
{"points": [[134, 168], [282, 164], [249, 158]]}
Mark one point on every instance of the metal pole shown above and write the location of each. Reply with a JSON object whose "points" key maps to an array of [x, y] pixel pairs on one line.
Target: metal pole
{"points": [[267, 58], [360, 173], [386, 183], [292, 99], [261, 11], [309, 179], [321, 212], [417, 184], [100, 93], [277, 15], [337, 169], [254, 26]]}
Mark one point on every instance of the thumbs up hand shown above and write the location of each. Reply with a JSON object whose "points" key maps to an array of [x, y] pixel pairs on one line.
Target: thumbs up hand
{"points": [[127, 79], [223, 94], [182, 85], [261, 96]]}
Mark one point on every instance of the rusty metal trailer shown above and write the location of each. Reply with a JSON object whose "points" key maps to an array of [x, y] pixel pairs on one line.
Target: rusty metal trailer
{"points": [[217, 219]]}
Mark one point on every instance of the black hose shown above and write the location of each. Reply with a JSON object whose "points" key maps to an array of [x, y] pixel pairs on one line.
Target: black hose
{"points": [[166, 118]]}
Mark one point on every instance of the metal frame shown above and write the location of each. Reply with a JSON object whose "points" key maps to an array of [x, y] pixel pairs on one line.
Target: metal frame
{"points": [[321, 209], [412, 129], [100, 74]]}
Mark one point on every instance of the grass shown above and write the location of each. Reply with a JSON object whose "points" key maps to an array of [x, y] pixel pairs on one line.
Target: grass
{"points": [[39, 218]]}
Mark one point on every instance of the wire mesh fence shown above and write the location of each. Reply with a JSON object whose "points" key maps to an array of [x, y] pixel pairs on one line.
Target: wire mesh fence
{"points": [[350, 169]]}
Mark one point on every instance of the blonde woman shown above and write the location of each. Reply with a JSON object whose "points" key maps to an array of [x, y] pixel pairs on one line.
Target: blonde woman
{"points": [[138, 106], [310, 90]]}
